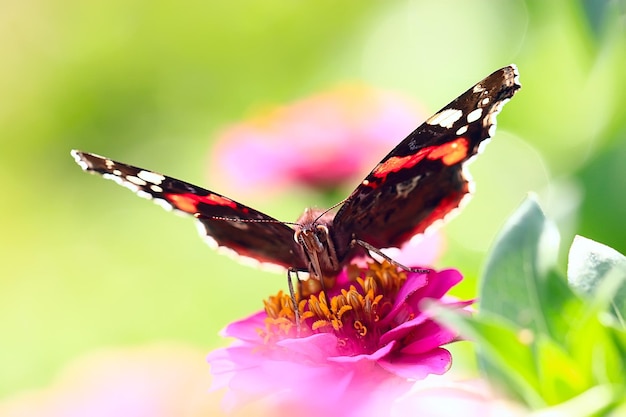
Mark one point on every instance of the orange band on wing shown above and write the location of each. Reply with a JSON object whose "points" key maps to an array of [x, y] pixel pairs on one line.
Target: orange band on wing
{"points": [[452, 152], [397, 163], [189, 202]]}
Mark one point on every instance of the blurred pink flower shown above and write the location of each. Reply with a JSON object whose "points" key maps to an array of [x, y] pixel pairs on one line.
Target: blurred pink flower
{"points": [[439, 397], [352, 355], [164, 380], [321, 141]]}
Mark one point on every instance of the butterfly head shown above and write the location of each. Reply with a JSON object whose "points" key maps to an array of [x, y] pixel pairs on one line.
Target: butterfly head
{"points": [[313, 234], [312, 229]]}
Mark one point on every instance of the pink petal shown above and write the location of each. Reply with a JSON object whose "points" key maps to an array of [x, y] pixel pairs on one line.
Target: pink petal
{"points": [[428, 337], [439, 283], [403, 329], [161, 380], [287, 384], [246, 329], [319, 141], [379, 354], [422, 326], [418, 366], [421, 250], [452, 399], [315, 348], [413, 283], [293, 374]]}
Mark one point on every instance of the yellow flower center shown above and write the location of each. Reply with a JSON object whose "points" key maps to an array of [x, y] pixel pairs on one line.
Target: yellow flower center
{"points": [[353, 314]]}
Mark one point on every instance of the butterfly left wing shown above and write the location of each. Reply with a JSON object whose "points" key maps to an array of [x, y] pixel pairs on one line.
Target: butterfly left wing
{"points": [[223, 223], [422, 180]]}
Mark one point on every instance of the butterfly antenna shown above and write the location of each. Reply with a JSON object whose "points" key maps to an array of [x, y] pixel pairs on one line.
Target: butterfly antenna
{"points": [[233, 219], [334, 206]]}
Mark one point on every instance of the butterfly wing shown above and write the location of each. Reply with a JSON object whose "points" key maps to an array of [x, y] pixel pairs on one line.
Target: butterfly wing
{"points": [[223, 223], [422, 179]]}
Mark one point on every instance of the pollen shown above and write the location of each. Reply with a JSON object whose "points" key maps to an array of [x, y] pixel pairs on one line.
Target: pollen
{"points": [[353, 313]]}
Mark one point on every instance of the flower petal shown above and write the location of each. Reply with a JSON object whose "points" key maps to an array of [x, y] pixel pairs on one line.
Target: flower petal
{"points": [[409, 326], [439, 283], [427, 337], [436, 362], [359, 346], [246, 328], [420, 250], [379, 354], [403, 329], [315, 348], [414, 282], [437, 397], [340, 131]]}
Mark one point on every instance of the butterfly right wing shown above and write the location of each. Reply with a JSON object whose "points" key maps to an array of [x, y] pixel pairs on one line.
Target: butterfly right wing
{"points": [[424, 179], [224, 223]]}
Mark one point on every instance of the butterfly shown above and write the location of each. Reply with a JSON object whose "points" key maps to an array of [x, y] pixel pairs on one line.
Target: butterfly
{"points": [[416, 185]]}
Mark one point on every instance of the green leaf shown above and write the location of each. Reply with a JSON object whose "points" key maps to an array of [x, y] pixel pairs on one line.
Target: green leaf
{"points": [[596, 401], [596, 345], [599, 272], [521, 286], [506, 350], [560, 376], [520, 282], [618, 336]]}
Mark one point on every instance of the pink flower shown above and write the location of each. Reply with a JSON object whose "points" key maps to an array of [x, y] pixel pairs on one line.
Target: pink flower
{"points": [[352, 353], [321, 141], [439, 397], [163, 380]]}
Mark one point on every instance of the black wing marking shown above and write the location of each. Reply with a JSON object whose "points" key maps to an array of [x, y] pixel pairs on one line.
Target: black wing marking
{"points": [[223, 222], [422, 180]]}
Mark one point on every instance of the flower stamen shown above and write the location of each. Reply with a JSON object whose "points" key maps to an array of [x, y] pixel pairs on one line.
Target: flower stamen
{"points": [[353, 313], [360, 328]]}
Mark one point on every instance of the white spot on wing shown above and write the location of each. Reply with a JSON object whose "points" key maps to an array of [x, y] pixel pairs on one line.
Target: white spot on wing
{"points": [[234, 255], [270, 267], [474, 115], [163, 203], [151, 177], [134, 188], [135, 180], [79, 160], [481, 148], [445, 118], [203, 233], [478, 88], [515, 74], [83, 164], [134, 183], [144, 194], [461, 130], [488, 122]]}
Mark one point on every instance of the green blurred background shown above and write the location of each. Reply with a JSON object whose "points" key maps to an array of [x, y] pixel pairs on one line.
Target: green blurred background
{"points": [[84, 264]]}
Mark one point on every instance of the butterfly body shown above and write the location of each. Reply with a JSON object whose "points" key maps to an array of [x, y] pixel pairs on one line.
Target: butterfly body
{"points": [[417, 185], [313, 234]]}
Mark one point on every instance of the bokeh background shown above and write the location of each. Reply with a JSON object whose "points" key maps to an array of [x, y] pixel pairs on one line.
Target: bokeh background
{"points": [[86, 266]]}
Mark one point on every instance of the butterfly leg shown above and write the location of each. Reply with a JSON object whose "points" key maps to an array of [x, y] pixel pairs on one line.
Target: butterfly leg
{"points": [[292, 294], [378, 252]]}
